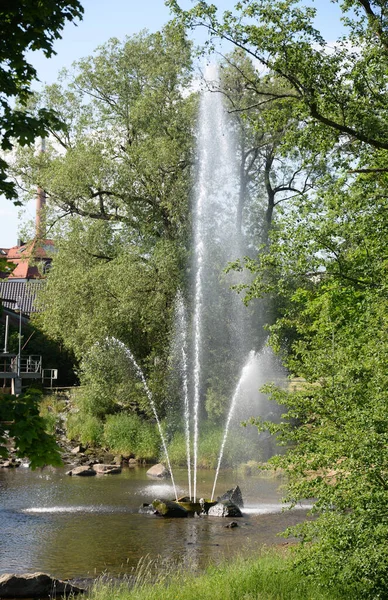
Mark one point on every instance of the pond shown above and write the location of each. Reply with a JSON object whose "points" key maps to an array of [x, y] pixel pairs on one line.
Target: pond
{"points": [[80, 527]]}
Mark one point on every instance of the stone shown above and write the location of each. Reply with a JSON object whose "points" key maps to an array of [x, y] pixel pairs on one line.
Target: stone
{"points": [[84, 471], [224, 509], [232, 525], [147, 509], [133, 462], [169, 509], [78, 449], [108, 458], [118, 460], [35, 585], [234, 496], [103, 469], [159, 471]]}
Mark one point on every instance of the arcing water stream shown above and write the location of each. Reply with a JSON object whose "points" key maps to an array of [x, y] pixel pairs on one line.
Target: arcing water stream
{"points": [[243, 376], [140, 374]]}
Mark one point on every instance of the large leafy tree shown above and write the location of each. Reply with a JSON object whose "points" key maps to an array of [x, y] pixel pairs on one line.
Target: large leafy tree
{"points": [[117, 183], [126, 151], [26, 25]]}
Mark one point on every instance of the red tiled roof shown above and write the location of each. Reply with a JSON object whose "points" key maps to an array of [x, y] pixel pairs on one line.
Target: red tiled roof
{"points": [[25, 255]]}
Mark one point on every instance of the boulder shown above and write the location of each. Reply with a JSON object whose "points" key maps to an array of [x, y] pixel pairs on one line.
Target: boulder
{"points": [[147, 509], [169, 509], [158, 471], [35, 585], [102, 469], [224, 509], [84, 471], [234, 496], [78, 449]]}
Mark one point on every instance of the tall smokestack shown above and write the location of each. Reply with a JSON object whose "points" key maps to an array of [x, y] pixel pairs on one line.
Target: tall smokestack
{"points": [[40, 225]]}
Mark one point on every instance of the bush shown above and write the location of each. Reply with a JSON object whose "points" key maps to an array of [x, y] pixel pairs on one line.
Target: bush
{"points": [[85, 428], [177, 450], [129, 434]]}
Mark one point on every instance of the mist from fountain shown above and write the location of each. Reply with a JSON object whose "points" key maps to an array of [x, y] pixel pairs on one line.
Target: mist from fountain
{"points": [[140, 374]]}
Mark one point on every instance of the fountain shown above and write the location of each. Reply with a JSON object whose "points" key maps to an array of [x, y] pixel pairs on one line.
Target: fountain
{"points": [[221, 332]]}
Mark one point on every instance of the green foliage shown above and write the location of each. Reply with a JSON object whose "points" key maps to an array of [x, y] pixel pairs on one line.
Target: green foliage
{"points": [[26, 25], [20, 419], [239, 448], [6, 267], [85, 428], [129, 434]]}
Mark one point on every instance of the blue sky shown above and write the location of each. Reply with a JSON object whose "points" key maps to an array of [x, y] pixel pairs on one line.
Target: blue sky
{"points": [[117, 18]]}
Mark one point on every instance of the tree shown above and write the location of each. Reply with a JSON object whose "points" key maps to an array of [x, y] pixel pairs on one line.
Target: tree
{"points": [[26, 25], [20, 420], [125, 155], [343, 89]]}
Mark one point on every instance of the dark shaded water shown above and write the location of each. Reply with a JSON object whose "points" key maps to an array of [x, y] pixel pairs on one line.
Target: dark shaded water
{"points": [[75, 527]]}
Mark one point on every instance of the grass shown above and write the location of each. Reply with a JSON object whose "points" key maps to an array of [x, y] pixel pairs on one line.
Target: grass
{"points": [[268, 577]]}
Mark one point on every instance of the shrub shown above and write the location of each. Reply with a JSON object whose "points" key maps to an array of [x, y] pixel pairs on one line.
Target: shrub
{"points": [[129, 434], [85, 428]]}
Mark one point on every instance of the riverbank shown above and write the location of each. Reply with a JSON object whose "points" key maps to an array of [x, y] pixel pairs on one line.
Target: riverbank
{"points": [[268, 577]]}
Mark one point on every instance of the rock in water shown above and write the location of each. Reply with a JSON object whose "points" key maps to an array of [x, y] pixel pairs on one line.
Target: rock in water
{"points": [[102, 469], [169, 509], [35, 585], [146, 509], [159, 471], [232, 525], [82, 471], [234, 496], [224, 509]]}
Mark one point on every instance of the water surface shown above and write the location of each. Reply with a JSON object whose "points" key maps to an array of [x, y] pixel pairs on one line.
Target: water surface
{"points": [[75, 527]]}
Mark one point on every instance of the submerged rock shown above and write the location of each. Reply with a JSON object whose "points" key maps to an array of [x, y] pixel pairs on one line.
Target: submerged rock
{"points": [[224, 509], [232, 525], [169, 509], [159, 471], [234, 496], [35, 585], [102, 469], [82, 471]]}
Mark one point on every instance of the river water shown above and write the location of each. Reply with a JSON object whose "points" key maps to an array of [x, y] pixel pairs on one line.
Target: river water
{"points": [[79, 527]]}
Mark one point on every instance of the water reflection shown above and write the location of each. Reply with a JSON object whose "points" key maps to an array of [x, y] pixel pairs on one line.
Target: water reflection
{"points": [[79, 527]]}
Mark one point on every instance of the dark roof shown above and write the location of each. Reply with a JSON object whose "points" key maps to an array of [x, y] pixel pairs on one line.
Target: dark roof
{"points": [[10, 291]]}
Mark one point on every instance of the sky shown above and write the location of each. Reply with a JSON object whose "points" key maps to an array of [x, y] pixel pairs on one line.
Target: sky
{"points": [[117, 18]]}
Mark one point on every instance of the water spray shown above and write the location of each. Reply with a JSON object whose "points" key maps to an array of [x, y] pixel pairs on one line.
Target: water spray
{"points": [[140, 374], [233, 403]]}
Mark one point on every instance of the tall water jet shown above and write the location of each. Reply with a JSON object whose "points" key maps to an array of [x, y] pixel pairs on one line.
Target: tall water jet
{"points": [[244, 375], [181, 343], [214, 223], [140, 374]]}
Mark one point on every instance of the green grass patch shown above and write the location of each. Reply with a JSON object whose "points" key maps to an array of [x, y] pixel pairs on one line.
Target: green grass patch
{"points": [[129, 434], [268, 577], [88, 429]]}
